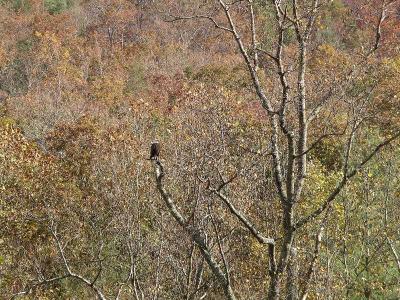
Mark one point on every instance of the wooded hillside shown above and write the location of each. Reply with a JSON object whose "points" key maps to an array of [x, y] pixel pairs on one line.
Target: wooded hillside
{"points": [[278, 123]]}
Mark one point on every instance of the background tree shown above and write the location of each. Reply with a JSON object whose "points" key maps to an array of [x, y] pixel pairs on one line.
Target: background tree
{"points": [[89, 85]]}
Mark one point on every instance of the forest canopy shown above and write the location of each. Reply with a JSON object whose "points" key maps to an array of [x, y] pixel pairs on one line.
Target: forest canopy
{"points": [[278, 124]]}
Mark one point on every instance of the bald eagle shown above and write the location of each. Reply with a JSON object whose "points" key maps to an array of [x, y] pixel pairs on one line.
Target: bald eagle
{"points": [[155, 150]]}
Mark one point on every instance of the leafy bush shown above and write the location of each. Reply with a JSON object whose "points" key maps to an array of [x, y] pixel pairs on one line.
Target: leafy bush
{"points": [[57, 6]]}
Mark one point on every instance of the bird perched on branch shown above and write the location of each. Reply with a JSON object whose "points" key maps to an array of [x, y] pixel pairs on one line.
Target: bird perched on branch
{"points": [[155, 151]]}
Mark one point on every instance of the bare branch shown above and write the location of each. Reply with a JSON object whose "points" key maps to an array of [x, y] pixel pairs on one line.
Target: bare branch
{"points": [[394, 252], [87, 282], [264, 100], [345, 178], [189, 273], [311, 18], [100, 265], [266, 53], [378, 30], [215, 23], [253, 35], [225, 182], [193, 233], [313, 263], [249, 225], [219, 242], [30, 289], [320, 139]]}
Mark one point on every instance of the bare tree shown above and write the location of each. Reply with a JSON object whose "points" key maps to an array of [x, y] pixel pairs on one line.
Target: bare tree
{"points": [[292, 118]]}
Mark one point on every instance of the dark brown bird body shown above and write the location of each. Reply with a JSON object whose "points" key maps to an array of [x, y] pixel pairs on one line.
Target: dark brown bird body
{"points": [[155, 151]]}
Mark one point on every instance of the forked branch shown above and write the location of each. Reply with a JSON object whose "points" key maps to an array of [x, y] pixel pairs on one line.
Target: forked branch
{"points": [[194, 234]]}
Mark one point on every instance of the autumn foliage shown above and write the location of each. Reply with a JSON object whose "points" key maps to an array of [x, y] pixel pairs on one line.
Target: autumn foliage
{"points": [[85, 86]]}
